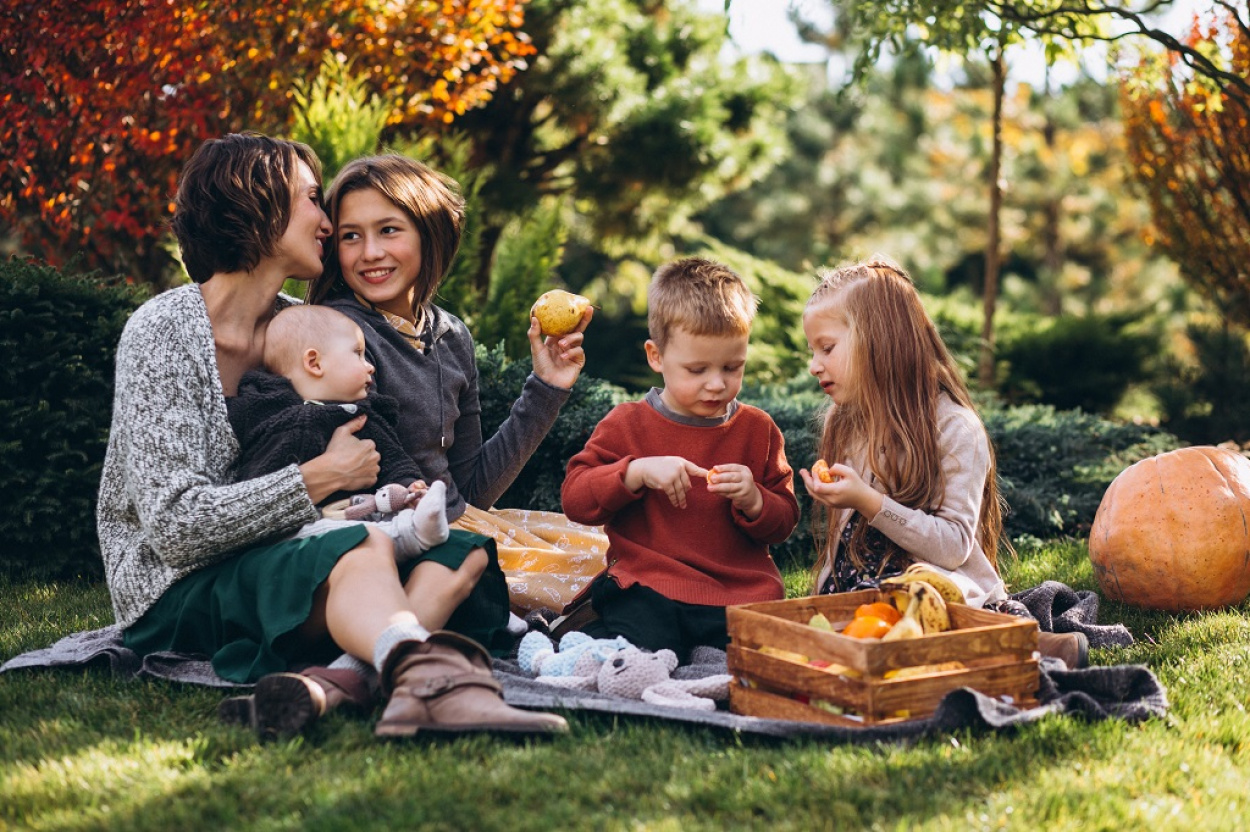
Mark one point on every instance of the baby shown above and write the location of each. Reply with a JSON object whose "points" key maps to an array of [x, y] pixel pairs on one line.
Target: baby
{"points": [[316, 379]]}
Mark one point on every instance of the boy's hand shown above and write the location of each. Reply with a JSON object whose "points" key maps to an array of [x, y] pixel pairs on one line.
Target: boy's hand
{"points": [[848, 490], [670, 474], [737, 484]]}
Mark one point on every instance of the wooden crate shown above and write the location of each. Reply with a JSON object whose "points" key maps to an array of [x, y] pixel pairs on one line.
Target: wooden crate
{"points": [[998, 653]]}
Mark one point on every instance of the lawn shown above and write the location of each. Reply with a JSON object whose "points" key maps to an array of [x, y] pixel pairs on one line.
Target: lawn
{"points": [[81, 750]]}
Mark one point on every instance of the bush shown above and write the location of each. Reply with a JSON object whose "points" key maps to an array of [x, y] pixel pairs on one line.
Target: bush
{"points": [[1054, 466], [1077, 362], [1207, 401], [58, 335]]}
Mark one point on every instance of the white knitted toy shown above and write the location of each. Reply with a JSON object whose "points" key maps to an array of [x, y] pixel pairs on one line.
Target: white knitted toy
{"points": [[638, 674]]}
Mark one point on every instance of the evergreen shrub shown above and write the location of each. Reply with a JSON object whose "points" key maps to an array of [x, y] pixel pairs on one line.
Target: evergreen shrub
{"points": [[58, 336], [1055, 465]]}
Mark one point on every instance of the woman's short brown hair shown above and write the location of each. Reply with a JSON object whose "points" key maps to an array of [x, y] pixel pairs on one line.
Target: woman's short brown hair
{"points": [[431, 200], [234, 201]]}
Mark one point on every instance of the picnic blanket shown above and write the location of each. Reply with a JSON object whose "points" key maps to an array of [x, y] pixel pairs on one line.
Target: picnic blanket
{"points": [[1129, 692]]}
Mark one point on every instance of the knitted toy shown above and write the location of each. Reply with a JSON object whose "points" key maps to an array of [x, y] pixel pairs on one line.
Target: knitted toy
{"points": [[575, 663], [388, 499], [638, 674]]}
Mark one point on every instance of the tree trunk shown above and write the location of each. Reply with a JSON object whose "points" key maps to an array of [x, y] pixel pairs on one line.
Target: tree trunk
{"points": [[1052, 257], [985, 368]]}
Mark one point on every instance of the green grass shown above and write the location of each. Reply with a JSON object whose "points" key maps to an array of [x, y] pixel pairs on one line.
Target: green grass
{"points": [[81, 750]]}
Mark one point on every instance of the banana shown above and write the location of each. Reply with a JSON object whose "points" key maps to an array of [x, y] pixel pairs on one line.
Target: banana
{"points": [[922, 670], [941, 582], [909, 625], [905, 627], [931, 607]]}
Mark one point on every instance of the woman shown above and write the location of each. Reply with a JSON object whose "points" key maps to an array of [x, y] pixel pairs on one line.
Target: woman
{"points": [[195, 561], [397, 228]]}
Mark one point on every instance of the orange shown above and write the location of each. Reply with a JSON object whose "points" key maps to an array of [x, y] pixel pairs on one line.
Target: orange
{"points": [[820, 470], [866, 626], [886, 612]]}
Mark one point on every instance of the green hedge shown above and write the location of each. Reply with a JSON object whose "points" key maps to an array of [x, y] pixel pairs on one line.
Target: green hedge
{"points": [[59, 331], [58, 336]]}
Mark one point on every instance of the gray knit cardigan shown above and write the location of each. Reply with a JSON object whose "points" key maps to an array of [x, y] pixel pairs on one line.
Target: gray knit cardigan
{"points": [[168, 505]]}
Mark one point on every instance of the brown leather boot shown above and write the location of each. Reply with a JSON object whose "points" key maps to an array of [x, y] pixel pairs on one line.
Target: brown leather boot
{"points": [[444, 685], [285, 704], [1070, 648]]}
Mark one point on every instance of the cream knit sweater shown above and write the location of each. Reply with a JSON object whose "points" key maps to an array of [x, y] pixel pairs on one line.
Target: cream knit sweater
{"points": [[168, 505]]}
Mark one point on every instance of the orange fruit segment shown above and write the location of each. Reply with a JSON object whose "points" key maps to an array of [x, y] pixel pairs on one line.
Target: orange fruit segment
{"points": [[880, 609], [866, 626], [820, 470]]}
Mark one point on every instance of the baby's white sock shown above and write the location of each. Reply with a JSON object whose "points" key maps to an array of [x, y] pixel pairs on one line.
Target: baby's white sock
{"points": [[416, 530]]}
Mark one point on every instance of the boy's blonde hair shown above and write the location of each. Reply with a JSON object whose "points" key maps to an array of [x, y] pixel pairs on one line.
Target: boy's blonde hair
{"points": [[900, 366], [702, 297], [297, 328]]}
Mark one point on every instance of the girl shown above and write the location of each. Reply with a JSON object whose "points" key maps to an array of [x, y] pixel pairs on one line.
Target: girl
{"points": [[913, 471], [397, 227], [914, 476], [190, 553]]}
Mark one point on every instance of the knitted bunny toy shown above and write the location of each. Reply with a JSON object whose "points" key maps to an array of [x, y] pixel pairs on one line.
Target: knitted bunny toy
{"points": [[638, 674], [576, 662]]}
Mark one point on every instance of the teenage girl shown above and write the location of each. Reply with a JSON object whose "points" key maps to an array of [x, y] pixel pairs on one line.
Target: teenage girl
{"points": [[397, 228]]}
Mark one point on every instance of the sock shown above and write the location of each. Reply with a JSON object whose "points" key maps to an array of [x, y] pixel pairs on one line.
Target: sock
{"points": [[349, 662], [394, 635], [517, 625], [417, 530]]}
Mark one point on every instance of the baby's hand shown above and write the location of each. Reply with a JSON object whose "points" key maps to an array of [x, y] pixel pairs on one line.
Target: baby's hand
{"points": [[670, 474], [848, 490], [417, 490], [737, 484]]}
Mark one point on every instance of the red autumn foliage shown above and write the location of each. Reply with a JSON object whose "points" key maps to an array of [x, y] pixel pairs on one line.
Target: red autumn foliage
{"points": [[101, 101], [1187, 140]]}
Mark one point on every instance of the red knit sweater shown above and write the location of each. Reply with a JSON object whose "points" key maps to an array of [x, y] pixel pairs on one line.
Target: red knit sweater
{"points": [[709, 552]]}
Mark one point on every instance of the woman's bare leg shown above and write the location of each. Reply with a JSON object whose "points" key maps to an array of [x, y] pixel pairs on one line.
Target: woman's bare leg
{"points": [[361, 598]]}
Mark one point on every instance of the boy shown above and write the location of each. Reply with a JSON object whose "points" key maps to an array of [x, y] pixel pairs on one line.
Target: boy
{"points": [[690, 484], [317, 379]]}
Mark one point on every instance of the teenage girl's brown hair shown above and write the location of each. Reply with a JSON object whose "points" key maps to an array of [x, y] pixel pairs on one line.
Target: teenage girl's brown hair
{"points": [[700, 296], [234, 201], [900, 365], [430, 199]]}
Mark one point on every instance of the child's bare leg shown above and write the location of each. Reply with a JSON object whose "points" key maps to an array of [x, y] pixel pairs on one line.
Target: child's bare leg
{"points": [[434, 591]]}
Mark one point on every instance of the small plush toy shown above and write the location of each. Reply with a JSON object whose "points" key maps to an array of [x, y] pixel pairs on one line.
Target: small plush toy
{"points": [[578, 658], [638, 674], [388, 499]]}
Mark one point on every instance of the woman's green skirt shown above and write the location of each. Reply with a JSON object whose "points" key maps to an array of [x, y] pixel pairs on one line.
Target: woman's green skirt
{"points": [[245, 611]]}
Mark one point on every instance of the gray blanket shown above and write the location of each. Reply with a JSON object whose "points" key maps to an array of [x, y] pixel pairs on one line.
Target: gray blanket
{"points": [[1129, 692]]}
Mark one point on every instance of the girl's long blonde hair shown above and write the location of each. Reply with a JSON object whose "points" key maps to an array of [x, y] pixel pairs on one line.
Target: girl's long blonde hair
{"points": [[899, 366]]}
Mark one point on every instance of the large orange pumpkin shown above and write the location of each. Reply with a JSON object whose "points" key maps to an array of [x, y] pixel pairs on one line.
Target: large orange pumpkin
{"points": [[1173, 531]]}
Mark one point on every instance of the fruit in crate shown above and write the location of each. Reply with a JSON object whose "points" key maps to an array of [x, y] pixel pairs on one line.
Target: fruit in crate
{"points": [[880, 609], [559, 312], [820, 622], [866, 626], [947, 588], [923, 608]]}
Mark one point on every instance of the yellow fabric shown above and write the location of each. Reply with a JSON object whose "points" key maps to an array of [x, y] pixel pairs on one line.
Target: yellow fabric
{"points": [[546, 557]]}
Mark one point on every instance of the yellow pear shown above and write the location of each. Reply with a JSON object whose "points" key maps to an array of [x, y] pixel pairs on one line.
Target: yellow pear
{"points": [[559, 312]]}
